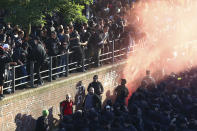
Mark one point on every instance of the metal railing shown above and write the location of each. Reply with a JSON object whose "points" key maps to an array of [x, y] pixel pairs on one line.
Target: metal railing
{"points": [[15, 80]]}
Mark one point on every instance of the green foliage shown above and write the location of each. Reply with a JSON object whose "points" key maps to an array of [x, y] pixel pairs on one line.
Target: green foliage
{"points": [[28, 12], [87, 2], [32, 12], [72, 12]]}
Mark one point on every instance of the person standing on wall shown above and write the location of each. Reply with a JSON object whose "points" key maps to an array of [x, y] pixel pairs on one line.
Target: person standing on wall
{"points": [[98, 87], [121, 93]]}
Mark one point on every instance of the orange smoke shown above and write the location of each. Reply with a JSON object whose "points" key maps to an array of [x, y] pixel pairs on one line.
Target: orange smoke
{"points": [[171, 39]]}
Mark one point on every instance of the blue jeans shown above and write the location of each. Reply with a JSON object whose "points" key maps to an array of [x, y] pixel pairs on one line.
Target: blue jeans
{"points": [[63, 60], [23, 73]]}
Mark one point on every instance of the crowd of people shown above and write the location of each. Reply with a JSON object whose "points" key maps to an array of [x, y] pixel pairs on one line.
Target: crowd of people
{"points": [[84, 40], [169, 105], [87, 116]]}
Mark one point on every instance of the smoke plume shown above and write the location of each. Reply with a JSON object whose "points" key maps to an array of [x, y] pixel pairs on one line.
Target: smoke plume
{"points": [[170, 43]]}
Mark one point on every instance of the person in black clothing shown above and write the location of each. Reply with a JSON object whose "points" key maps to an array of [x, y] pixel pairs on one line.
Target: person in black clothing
{"points": [[4, 58], [42, 124], [38, 54], [105, 41], [92, 101], [128, 124], [75, 47], [94, 120], [84, 35], [20, 57], [8, 29], [98, 87], [2, 35], [23, 58], [84, 38], [95, 45], [52, 46], [121, 93], [63, 50]]}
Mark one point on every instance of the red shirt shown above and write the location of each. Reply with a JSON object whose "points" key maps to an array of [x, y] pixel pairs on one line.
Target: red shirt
{"points": [[67, 107]]}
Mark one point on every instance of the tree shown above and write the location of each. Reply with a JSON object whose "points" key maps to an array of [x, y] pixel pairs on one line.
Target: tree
{"points": [[72, 12], [28, 12], [32, 12]]}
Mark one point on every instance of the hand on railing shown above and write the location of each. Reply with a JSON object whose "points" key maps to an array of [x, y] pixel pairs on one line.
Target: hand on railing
{"points": [[13, 63], [20, 62]]}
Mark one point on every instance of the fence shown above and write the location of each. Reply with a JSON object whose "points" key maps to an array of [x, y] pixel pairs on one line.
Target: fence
{"points": [[14, 80]]}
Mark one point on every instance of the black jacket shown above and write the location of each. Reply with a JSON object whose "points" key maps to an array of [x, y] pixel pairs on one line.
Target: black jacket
{"points": [[98, 87], [3, 61], [122, 91], [53, 46], [75, 42], [96, 102], [42, 124], [38, 53], [94, 40], [17, 54]]}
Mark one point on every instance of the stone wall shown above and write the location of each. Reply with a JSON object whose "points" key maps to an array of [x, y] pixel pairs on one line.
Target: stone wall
{"points": [[19, 111]]}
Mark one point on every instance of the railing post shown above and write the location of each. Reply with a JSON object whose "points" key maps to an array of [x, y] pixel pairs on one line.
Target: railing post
{"points": [[13, 78], [32, 74], [67, 61], [83, 61], [113, 42], [50, 69]]}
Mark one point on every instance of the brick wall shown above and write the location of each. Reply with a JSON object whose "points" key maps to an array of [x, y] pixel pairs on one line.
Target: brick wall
{"points": [[20, 110]]}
